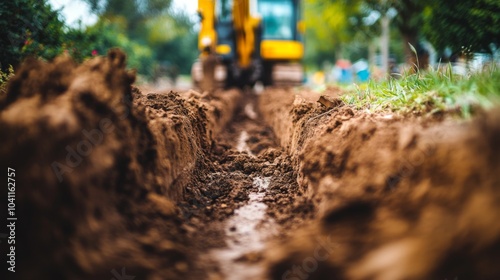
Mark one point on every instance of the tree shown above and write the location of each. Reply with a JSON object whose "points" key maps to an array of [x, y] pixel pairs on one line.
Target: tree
{"points": [[409, 21], [331, 25], [470, 24], [338, 23], [136, 12], [151, 25], [28, 27]]}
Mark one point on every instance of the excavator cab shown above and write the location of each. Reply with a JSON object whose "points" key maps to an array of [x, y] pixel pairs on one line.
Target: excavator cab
{"points": [[282, 47], [242, 42]]}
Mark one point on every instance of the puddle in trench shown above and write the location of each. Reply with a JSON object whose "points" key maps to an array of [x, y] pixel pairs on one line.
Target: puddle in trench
{"points": [[248, 229], [250, 112], [242, 145], [246, 233]]}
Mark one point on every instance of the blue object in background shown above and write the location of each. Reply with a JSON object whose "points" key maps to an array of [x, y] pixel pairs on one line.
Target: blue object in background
{"points": [[363, 75], [345, 76], [361, 70]]}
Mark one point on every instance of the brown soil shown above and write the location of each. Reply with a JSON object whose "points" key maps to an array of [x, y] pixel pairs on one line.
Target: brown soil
{"points": [[100, 167], [113, 180], [397, 198]]}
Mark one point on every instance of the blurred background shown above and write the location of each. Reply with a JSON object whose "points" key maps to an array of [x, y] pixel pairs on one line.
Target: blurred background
{"points": [[158, 36], [346, 41]]}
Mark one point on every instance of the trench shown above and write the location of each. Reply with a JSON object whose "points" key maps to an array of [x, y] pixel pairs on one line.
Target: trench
{"points": [[182, 188], [246, 232]]}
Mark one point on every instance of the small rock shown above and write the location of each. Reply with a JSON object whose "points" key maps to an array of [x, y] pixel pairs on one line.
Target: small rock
{"points": [[223, 205], [268, 172], [330, 102]]}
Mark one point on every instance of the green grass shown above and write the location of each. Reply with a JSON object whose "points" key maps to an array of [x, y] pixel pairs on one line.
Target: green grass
{"points": [[428, 93]]}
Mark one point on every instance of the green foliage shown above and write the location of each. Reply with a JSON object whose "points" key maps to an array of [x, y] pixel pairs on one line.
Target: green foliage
{"points": [[136, 12], [345, 29], [28, 28], [4, 78], [329, 21], [104, 35], [174, 41], [179, 52], [429, 93], [338, 25], [147, 30], [332, 26], [473, 24]]}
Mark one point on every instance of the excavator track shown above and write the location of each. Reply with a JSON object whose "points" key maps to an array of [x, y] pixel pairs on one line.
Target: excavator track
{"points": [[287, 74]]}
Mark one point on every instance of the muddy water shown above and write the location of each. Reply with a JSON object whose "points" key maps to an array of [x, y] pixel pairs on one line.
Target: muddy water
{"points": [[242, 145], [246, 233], [249, 228]]}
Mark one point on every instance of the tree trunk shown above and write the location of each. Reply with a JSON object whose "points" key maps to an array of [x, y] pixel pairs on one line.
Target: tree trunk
{"points": [[409, 22], [372, 51]]}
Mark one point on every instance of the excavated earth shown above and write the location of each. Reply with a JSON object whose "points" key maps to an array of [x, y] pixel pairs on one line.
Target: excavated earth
{"points": [[119, 182]]}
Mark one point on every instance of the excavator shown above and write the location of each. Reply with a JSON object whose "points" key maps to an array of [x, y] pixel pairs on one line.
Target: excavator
{"points": [[242, 42]]}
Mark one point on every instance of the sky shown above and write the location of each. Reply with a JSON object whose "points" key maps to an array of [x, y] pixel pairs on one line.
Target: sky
{"points": [[74, 10]]}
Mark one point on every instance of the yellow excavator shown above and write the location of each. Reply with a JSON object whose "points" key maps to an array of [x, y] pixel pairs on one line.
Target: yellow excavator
{"points": [[242, 42]]}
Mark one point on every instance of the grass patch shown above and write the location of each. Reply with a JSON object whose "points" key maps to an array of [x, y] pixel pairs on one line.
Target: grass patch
{"points": [[428, 93]]}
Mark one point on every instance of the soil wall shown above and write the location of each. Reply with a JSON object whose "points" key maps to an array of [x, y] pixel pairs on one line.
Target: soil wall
{"points": [[397, 198], [99, 166]]}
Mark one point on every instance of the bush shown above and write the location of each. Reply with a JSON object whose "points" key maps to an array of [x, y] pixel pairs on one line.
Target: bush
{"points": [[4, 78], [28, 28]]}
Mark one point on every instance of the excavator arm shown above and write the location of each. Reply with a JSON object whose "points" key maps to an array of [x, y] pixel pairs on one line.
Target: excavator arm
{"points": [[207, 38], [245, 26]]}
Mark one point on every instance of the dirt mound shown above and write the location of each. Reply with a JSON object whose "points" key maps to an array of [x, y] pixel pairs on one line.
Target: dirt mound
{"points": [[397, 198], [99, 167]]}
